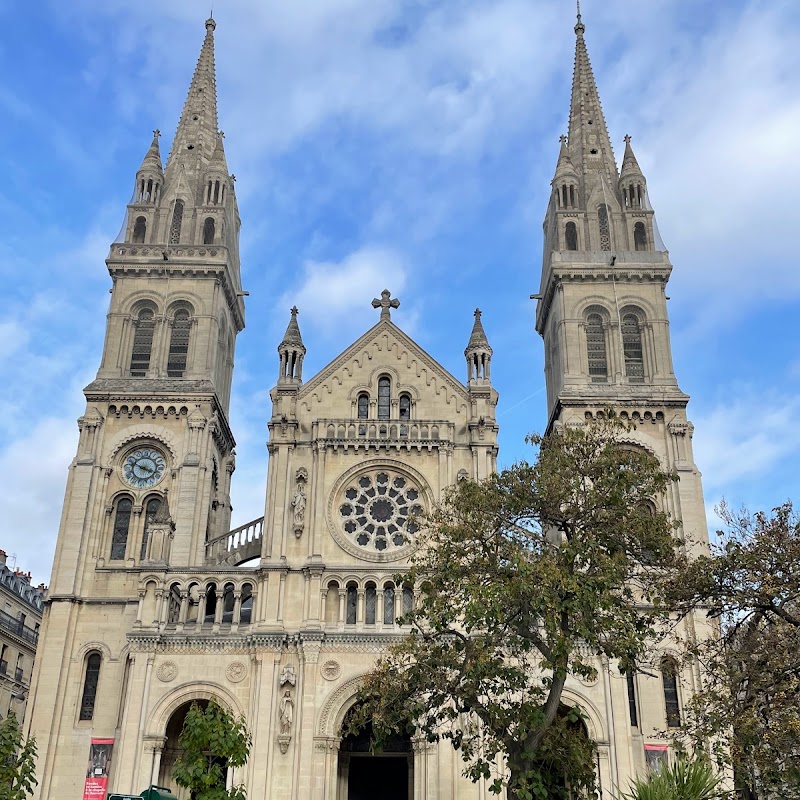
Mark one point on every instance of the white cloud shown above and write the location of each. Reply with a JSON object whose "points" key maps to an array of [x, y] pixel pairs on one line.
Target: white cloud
{"points": [[34, 476], [337, 295]]}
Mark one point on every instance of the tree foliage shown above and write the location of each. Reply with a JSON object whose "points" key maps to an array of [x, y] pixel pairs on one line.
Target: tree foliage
{"points": [[17, 761], [749, 704], [687, 779], [212, 741], [540, 572]]}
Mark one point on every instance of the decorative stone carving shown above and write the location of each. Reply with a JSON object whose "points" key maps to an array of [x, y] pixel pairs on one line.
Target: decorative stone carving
{"points": [[167, 672], [299, 501], [288, 675], [286, 719], [331, 670], [236, 672]]}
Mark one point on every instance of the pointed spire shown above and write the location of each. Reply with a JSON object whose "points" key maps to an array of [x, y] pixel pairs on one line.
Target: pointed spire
{"points": [[477, 339], [589, 142], [218, 160], [198, 126], [630, 166], [292, 336], [152, 159], [478, 354], [162, 516], [565, 165]]}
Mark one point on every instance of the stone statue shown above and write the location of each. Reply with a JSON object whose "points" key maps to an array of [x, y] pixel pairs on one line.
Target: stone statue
{"points": [[288, 675], [286, 712], [299, 504]]}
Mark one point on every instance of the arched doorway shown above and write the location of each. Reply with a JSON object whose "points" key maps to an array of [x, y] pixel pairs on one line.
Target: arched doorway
{"points": [[172, 749], [364, 775]]}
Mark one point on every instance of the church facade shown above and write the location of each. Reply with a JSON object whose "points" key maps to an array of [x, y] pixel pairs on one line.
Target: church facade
{"points": [[153, 600]]}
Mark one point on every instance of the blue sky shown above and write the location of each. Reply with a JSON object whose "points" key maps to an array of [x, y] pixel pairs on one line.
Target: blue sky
{"points": [[406, 144]]}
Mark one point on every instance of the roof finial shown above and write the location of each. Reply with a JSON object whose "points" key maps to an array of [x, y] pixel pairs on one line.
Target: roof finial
{"points": [[580, 28], [385, 304]]}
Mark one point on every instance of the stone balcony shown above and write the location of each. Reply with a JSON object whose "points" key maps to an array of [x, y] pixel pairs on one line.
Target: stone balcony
{"points": [[398, 434]]}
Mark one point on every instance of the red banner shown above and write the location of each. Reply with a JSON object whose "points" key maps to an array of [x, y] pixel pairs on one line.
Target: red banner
{"points": [[96, 784]]}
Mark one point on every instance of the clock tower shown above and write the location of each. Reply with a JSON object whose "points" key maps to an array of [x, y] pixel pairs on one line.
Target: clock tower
{"points": [[150, 483]]}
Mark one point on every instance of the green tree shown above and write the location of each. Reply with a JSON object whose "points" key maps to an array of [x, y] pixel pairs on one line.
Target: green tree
{"points": [[687, 779], [212, 741], [17, 761], [537, 573], [748, 707]]}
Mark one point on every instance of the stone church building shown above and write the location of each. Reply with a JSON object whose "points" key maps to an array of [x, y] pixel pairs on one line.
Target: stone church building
{"points": [[154, 602]]}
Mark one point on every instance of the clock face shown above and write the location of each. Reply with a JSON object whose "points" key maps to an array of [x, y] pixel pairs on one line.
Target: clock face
{"points": [[144, 467]]}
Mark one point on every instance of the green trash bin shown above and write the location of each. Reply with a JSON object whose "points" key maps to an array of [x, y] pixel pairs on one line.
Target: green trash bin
{"points": [[157, 793], [124, 797]]}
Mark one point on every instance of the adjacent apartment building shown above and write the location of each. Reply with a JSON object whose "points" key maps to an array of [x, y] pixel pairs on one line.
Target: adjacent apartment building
{"points": [[20, 618]]}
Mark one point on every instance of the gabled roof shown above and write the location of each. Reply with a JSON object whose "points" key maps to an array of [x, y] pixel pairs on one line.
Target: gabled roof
{"points": [[384, 326]]}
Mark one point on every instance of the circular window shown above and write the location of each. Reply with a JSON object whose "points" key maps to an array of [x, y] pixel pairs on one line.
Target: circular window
{"points": [[380, 511]]}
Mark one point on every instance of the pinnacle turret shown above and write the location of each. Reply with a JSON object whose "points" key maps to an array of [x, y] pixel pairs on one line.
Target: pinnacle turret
{"points": [[152, 159], [197, 131], [632, 183], [630, 166], [291, 351], [478, 351]]}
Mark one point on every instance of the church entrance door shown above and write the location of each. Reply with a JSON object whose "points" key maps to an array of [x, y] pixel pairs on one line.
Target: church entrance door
{"points": [[365, 775], [373, 777]]}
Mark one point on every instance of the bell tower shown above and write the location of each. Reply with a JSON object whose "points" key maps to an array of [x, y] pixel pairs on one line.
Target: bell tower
{"points": [[150, 484], [602, 303]]}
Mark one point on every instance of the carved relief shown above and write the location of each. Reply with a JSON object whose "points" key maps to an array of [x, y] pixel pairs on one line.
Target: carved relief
{"points": [[236, 672], [167, 672], [331, 670], [299, 502]]}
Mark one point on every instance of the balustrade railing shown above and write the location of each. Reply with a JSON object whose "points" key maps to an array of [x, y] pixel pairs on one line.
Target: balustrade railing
{"points": [[243, 541], [17, 627], [370, 431]]}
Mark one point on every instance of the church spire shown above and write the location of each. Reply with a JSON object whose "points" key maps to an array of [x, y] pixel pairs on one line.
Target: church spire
{"points": [[197, 131], [291, 351], [478, 352], [589, 143]]}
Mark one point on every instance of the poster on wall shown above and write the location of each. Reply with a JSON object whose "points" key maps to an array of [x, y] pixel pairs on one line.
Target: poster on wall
{"points": [[96, 784]]}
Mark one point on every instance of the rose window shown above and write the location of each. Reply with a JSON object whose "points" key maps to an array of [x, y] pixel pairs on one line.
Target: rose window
{"points": [[381, 510]]}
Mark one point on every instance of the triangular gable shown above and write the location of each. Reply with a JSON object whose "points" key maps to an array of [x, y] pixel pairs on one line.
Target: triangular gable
{"points": [[426, 368]]}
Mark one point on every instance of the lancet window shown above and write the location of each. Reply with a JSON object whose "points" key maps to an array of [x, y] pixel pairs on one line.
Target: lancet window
{"points": [[90, 681], [596, 348], [145, 324], [179, 344], [122, 524], [632, 348], [605, 229]]}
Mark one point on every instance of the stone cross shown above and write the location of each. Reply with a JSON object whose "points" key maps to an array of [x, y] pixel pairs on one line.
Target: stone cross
{"points": [[385, 304], [627, 139], [156, 133]]}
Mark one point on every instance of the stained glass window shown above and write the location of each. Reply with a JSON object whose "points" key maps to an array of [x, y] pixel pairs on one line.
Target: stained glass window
{"points": [[177, 221], [384, 398], [388, 604], [352, 605], [90, 686], [122, 522], [669, 672], [605, 232], [370, 605], [363, 405]]}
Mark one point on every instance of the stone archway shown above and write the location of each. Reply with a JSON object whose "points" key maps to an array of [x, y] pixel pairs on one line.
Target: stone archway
{"points": [[364, 775], [172, 749]]}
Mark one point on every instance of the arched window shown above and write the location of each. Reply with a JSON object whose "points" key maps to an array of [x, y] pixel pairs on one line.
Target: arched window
{"points": [[633, 711], [174, 604], [209, 230], [179, 344], [122, 522], [90, 681], [228, 602], [150, 511], [246, 608], [211, 603], [405, 406], [370, 604], [596, 348], [571, 236], [142, 342], [384, 398], [632, 348], [669, 676], [351, 606], [139, 230], [388, 604], [408, 599], [363, 405], [177, 221], [640, 236], [605, 231]]}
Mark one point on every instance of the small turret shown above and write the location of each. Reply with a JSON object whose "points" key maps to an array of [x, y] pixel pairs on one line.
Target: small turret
{"points": [[565, 180], [632, 183], [146, 195], [478, 353], [291, 351]]}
